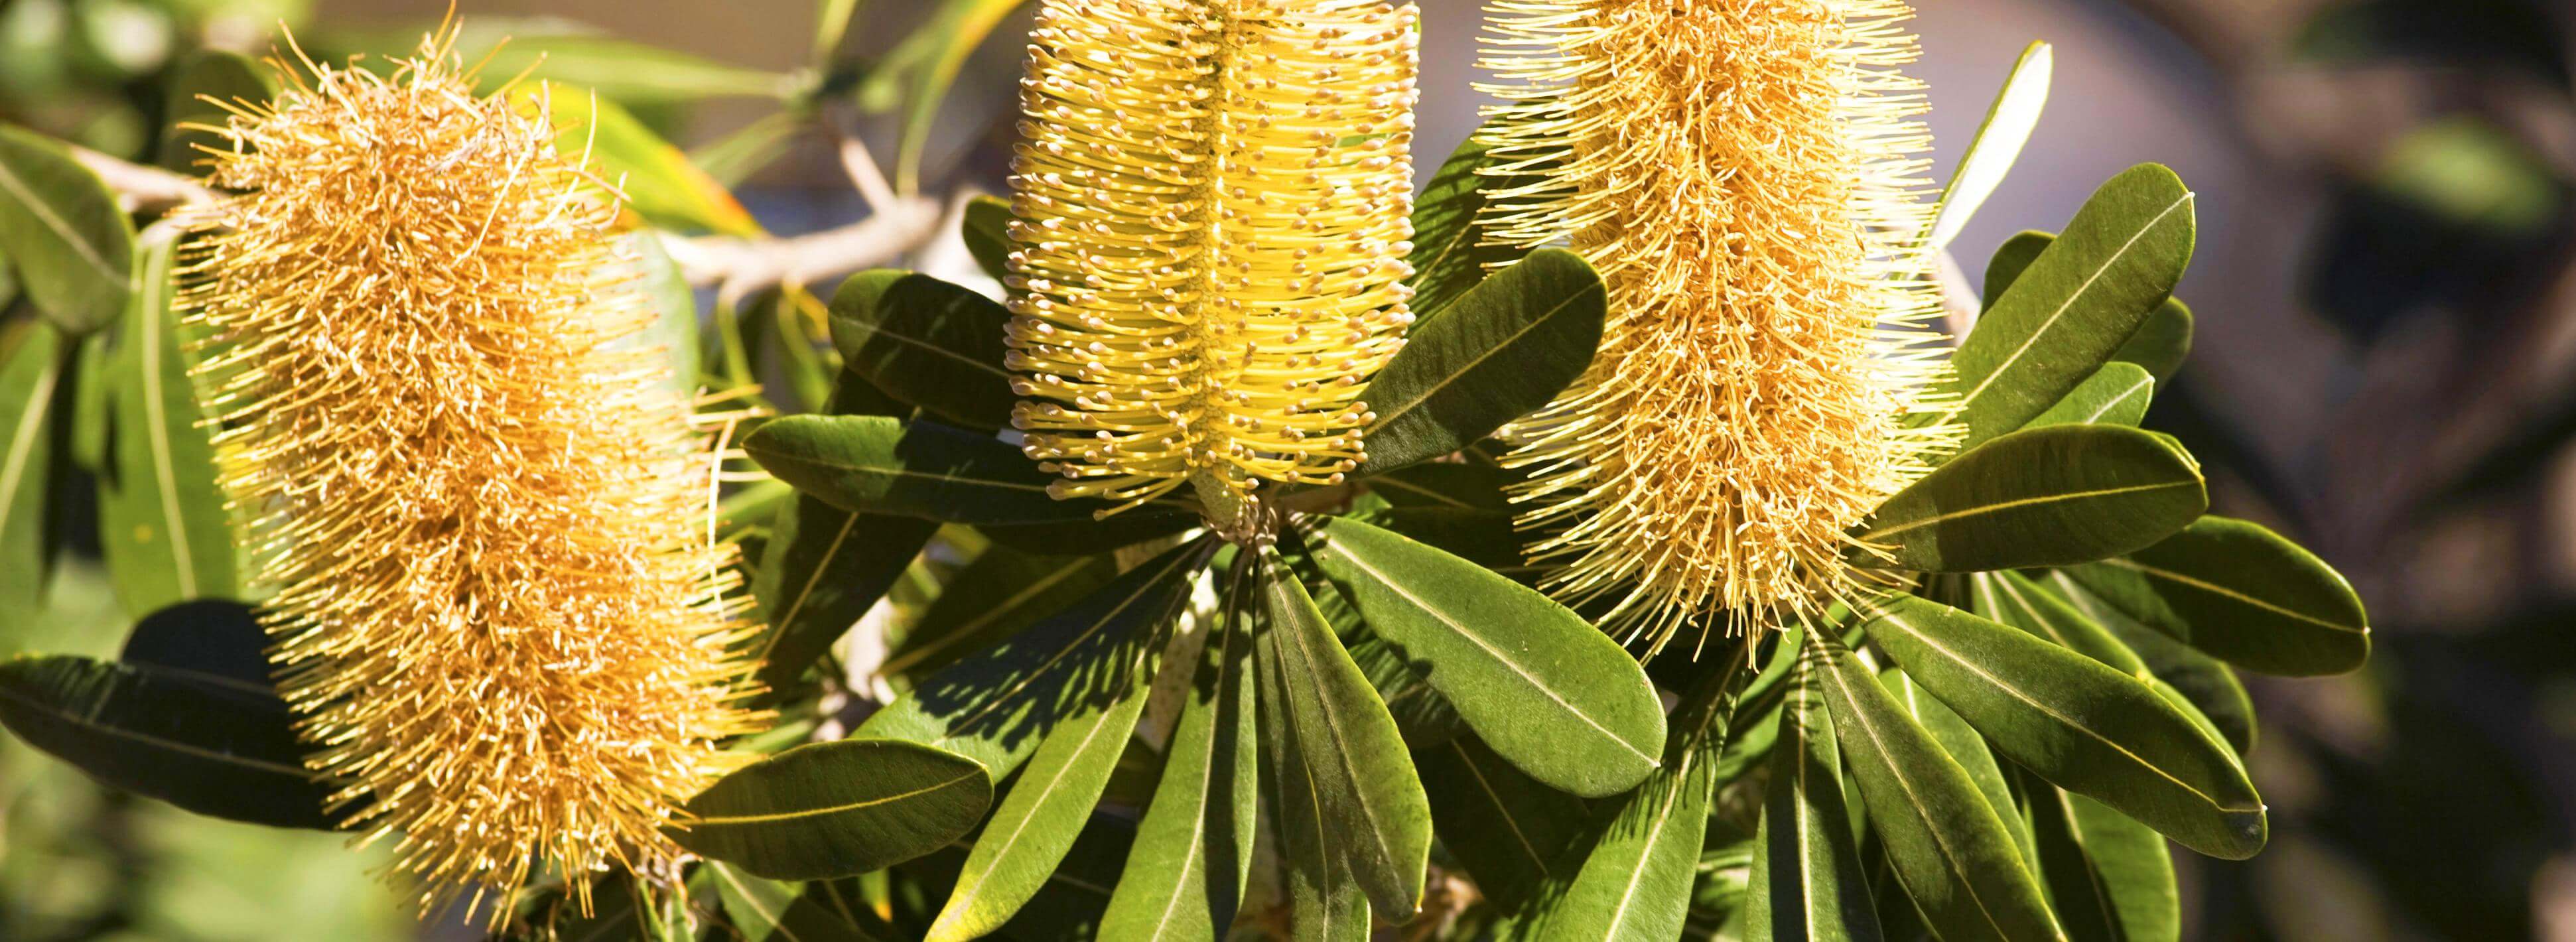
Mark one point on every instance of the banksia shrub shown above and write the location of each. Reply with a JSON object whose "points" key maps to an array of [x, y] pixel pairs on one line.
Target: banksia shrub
{"points": [[1745, 177], [479, 505], [1213, 199]]}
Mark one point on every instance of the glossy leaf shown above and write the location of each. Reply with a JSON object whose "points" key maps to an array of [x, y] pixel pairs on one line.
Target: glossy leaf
{"points": [[1450, 254], [31, 372], [995, 707], [926, 342], [1507, 347], [2011, 598], [2082, 725], [2116, 394], [823, 568], [2207, 682], [1510, 831], [1324, 902], [1998, 143], [2048, 496], [1184, 878], [2012, 258], [1364, 779], [1943, 840], [227, 77], [1537, 683], [1962, 744], [61, 229], [210, 744], [835, 809], [2111, 878], [2159, 345], [998, 593], [1443, 486], [1806, 880], [2077, 302], [2241, 593], [1036, 823], [986, 227], [162, 521], [875, 464]]}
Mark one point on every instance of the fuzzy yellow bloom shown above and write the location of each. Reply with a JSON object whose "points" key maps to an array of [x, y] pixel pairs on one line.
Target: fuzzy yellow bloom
{"points": [[479, 503], [1743, 175], [1213, 199]]}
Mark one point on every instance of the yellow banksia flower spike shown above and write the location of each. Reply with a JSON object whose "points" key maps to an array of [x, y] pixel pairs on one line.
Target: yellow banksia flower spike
{"points": [[475, 493], [1213, 201], [1745, 176]]}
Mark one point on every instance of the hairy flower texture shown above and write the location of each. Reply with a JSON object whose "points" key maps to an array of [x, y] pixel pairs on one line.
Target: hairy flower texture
{"points": [[1213, 200], [1741, 172], [479, 503]]}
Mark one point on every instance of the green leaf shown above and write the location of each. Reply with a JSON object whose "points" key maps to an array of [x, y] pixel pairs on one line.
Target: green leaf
{"points": [[1633, 880], [995, 707], [2111, 877], [1086, 536], [2076, 303], [1444, 486], [1505, 348], [825, 567], [1037, 821], [998, 593], [1998, 143], [1450, 254], [226, 77], [939, 49], [2116, 394], [619, 69], [1510, 831], [2082, 725], [1364, 780], [1943, 840], [2049, 496], [2011, 259], [926, 342], [1962, 744], [658, 179], [1324, 903], [1806, 880], [2162, 342], [2011, 598], [835, 809], [986, 227], [72, 246], [2204, 680], [2242, 593], [753, 906], [1184, 878], [163, 525], [876, 464], [210, 744], [31, 372], [1539, 684]]}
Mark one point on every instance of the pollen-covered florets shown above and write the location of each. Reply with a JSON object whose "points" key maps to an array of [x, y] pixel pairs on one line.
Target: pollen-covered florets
{"points": [[468, 484], [1213, 199], [1742, 174]]}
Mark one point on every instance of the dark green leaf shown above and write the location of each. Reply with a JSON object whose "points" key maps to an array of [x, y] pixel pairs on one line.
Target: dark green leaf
{"points": [[73, 249], [2010, 259], [2077, 302], [2242, 593], [995, 707], [2046, 496], [226, 77], [2011, 598], [1185, 876], [875, 464], [2116, 394], [1324, 902], [1444, 486], [1002, 591], [1806, 880], [987, 231], [2080, 724], [1036, 823], [2111, 877], [31, 370], [1944, 841], [2159, 345], [753, 906], [162, 522], [835, 809], [1505, 348], [1085, 536], [1364, 780], [2204, 680], [1538, 683], [210, 744], [1962, 744], [1510, 831], [926, 342], [823, 568], [1449, 251]]}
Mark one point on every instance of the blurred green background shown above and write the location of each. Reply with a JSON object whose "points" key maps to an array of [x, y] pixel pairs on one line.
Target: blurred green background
{"points": [[2386, 372]]}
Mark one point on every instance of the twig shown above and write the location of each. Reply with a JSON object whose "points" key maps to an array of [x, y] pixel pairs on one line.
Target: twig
{"points": [[143, 189]]}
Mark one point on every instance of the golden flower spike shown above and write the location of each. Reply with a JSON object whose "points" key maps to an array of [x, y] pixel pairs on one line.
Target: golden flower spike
{"points": [[1742, 174], [471, 488], [1213, 201]]}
